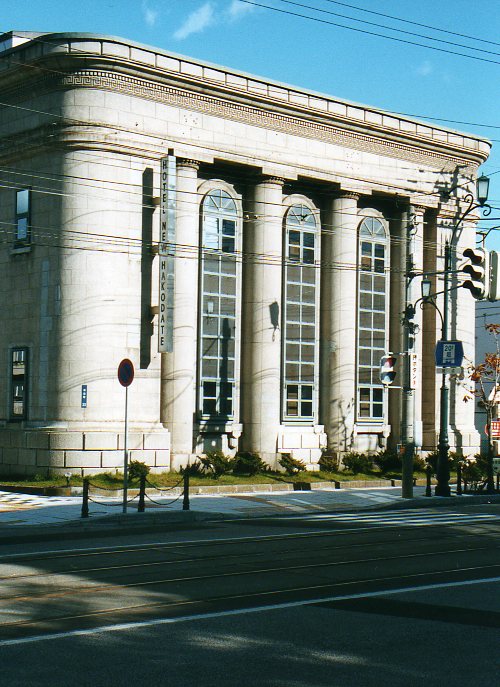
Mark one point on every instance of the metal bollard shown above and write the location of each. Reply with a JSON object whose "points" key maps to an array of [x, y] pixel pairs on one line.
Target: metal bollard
{"points": [[185, 500], [459, 479], [85, 501], [428, 476], [142, 493]]}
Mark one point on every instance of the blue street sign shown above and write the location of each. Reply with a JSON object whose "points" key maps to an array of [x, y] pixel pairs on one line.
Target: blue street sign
{"points": [[449, 353], [84, 395]]}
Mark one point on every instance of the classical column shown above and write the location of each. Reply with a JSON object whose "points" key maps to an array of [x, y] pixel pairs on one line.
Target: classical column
{"points": [[261, 359], [399, 227], [430, 334], [414, 293], [178, 368], [338, 322]]}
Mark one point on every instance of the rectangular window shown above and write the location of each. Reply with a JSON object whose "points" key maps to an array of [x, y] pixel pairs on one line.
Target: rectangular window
{"points": [[219, 300], [300, 316], [22, 218], [19, 384]]}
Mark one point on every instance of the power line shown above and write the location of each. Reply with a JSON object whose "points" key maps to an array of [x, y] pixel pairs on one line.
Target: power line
{"points": [[414, 23], [370, 33], [390, 28]]}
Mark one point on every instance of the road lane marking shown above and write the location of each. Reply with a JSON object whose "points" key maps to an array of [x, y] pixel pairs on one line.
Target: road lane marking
{"points": [[120, 627]]}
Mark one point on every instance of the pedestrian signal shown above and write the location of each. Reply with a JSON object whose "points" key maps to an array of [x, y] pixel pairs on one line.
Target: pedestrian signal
{"points": [[387, 369]]}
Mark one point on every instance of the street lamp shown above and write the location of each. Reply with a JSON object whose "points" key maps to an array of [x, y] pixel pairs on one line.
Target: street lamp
{"points": [[443, 470]]}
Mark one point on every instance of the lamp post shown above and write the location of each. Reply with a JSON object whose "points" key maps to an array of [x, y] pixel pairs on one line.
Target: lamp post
{"points": [[443, 470]]}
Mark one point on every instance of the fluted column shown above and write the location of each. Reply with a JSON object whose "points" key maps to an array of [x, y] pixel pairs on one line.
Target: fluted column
{"points": [[338, 322], [178, 368], [261, 369]]}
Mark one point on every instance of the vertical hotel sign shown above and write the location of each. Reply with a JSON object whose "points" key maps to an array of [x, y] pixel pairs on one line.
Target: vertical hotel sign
{"points": [[166, 254]]}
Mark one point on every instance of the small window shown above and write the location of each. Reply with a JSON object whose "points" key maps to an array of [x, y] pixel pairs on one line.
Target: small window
{"points": [[22, 223], [19, 383]]}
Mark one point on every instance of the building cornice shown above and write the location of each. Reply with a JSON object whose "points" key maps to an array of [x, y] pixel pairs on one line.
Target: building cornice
{"points": [[84, 60]]}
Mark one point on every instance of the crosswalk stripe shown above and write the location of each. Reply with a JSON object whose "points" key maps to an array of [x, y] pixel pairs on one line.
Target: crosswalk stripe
{"points": [[420, 518]]}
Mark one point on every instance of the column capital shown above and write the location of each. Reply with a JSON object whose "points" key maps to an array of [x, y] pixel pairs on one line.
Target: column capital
{"points": [[271, 179], [187, 162], [418, 209], [351, 195]]}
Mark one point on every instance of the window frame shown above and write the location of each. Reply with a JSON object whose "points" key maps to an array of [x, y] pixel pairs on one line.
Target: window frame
{"points": [[22, 216], [13, 416], [377, 392], [300, 257], [220, 299]]}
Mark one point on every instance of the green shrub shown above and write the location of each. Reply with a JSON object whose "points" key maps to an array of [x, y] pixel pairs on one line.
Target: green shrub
{"points": [[247, 463], [195, 469], [432, 459], [419, 463], [216, 463], [292, 466], [329, 462], [358, 462], [388, 461], [472, 472], [136, 469]]}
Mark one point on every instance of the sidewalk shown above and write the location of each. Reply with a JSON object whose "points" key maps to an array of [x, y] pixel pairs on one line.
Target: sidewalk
{"points": [[28, 518]]}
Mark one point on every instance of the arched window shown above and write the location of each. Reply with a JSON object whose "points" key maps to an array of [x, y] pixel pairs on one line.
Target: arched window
{"points": [[219, 225], [300, 314], [372, 317]]}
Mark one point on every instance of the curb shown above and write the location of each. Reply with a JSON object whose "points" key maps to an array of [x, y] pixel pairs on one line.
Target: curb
{"points": [[153, 521], [224, 488]]}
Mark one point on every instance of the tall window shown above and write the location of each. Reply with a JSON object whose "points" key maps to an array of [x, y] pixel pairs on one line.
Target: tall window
{"points": [[372, 317], [19, 383], [22, 224], [218, 306], [299, 314]]}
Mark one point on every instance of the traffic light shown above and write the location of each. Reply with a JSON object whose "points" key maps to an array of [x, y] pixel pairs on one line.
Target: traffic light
{"points": [[387, 369], [477, 268], [494, 290]]}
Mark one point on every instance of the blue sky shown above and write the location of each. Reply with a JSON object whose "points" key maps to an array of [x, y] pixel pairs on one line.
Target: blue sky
{"points": [[459, 92]]}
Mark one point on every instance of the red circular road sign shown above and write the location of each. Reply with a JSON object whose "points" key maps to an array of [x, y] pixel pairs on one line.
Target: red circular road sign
{"points": [[126, 372]]}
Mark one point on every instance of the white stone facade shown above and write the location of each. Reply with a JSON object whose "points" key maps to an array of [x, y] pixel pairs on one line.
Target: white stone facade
{"points": [[300, 177]]}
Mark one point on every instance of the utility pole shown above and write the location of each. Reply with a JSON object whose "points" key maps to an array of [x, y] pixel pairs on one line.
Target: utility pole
{"points": [[409, 330]]}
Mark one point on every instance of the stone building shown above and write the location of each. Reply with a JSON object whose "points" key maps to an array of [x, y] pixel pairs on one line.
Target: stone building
{"points": [[294, 221]]}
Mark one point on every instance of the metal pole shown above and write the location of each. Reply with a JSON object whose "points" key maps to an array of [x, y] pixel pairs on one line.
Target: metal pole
{"points": [[185, 500], [85, 500], [408, 406], [443, 470], [125, 455], [142, 493]]}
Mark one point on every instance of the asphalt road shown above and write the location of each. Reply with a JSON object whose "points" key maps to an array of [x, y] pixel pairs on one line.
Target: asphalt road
{"points": [[374, 599]]}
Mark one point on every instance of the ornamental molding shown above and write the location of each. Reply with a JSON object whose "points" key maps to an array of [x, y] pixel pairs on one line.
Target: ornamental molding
{"points": [[188, 162], [349, 195], [257, 116]]}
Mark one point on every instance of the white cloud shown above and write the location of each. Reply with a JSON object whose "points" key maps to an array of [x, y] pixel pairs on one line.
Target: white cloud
{"points": [[425, 69], [197, 21], [239, 9], [150, 14]]}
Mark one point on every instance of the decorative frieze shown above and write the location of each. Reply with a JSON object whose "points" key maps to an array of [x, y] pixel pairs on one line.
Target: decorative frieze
{"points": [[422, 151]]}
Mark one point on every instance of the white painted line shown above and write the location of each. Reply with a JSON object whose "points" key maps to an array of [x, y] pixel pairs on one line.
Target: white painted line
{"points": [[244, 611]]}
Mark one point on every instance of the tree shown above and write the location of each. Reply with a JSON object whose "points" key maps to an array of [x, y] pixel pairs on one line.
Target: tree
{"points": [[486, 388]]}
